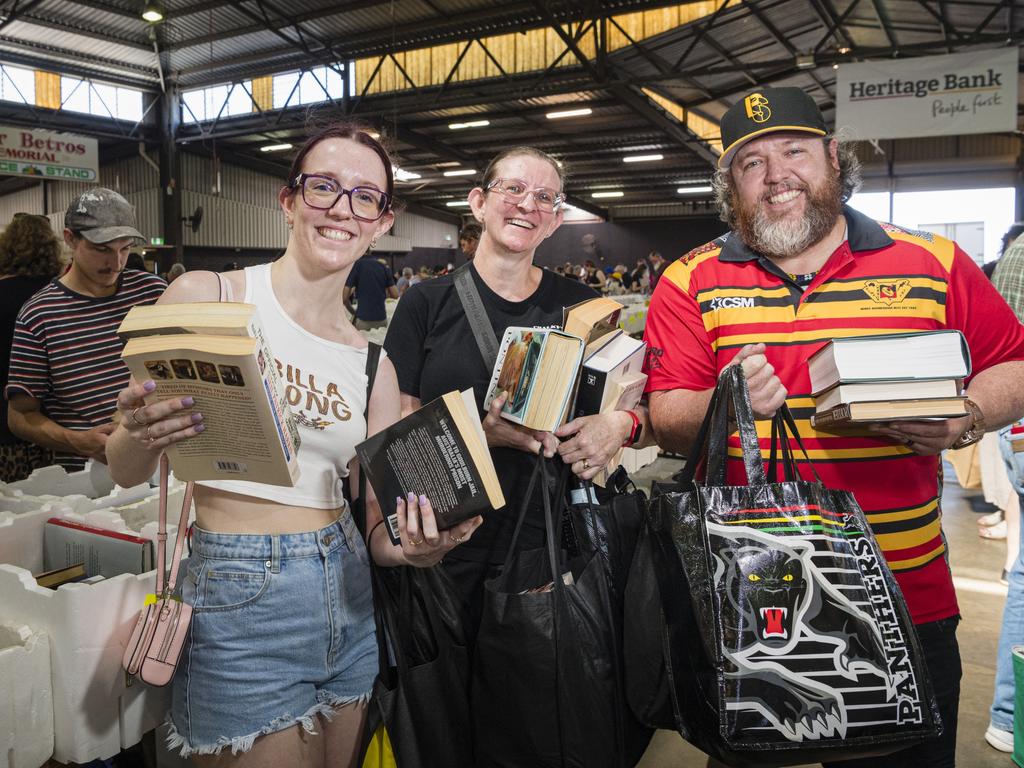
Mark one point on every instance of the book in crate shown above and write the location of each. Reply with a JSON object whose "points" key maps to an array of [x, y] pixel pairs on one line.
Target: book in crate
{"points": [[231, 373]]}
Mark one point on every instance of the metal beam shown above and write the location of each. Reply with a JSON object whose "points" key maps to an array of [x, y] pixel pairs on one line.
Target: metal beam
{"points": [[883, 18]]}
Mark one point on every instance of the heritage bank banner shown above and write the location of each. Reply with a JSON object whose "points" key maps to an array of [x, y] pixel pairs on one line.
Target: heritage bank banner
{"points": [[48, 155], [931, 96]]}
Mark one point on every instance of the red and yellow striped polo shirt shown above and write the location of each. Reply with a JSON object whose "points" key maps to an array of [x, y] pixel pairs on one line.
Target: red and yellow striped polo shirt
{"points": [[883, 279]]}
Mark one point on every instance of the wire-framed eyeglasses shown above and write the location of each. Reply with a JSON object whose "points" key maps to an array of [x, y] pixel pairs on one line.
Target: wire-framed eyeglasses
{"points": [[516, 191], [323, 193]]}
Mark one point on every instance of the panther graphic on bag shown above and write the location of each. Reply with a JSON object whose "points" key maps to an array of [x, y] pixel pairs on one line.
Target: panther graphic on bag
{"points": [[797, 637]]}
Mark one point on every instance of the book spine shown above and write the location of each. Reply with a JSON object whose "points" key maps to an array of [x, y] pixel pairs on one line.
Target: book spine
{"points": [[590, 394], [287, 429], [831, 416]]}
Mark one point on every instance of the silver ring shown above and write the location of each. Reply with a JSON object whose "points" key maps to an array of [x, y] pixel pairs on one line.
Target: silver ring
{"points": [[135, 418], [909, 441], [586, 464], [456, 539], [149, 435]]}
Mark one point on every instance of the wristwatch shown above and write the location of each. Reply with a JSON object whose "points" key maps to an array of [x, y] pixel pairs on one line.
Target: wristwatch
{"points": [[976, 431], [634, 433]]}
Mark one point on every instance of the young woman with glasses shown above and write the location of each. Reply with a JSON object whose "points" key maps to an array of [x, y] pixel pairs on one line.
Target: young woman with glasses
{"points": [[518, 204], [282, 656]]}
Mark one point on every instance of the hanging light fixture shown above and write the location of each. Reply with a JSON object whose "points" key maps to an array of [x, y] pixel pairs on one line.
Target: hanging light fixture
{"points": [[153, 11]]}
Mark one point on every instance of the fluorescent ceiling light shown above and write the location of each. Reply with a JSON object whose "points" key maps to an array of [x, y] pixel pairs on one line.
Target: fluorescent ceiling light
{"points": [[403, 175], [153, 12], [460, 172], [583, 112], [457, 203], [694, 190], [617, 193], [275, 147], [470, 124], [642, 158]]}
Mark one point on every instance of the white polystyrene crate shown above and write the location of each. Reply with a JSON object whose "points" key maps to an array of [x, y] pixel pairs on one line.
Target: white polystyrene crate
{"points": [[21, 535], [26, 706], [95, 715]]}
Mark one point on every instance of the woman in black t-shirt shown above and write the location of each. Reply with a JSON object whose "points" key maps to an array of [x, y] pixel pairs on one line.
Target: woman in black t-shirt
{"points": [[29, 259], [431, 343]]}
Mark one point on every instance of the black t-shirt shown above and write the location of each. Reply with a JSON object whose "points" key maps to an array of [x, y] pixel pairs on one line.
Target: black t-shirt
{"points": [[431, 344], [371, 280], [14, 291]]}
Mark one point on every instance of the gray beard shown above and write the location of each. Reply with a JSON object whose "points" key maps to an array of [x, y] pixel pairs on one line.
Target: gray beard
{"points": [[782, 238]]}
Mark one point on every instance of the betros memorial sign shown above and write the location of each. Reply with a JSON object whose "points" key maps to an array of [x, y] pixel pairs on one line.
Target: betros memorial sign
{"points": [[48, 155], [959, 93]]}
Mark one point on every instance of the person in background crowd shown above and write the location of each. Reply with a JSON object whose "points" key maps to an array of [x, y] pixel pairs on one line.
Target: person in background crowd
{"points": [[518, 205], [622, 274], [135, 261], [1011, 234], [69, 328], [231, 266], [593, 276], [656, 264], [281, 655], [1009, 281], [177, 270], [641, 282], [403, 283], [372, 283], [469, 239], [30, 256], [781, 186]]}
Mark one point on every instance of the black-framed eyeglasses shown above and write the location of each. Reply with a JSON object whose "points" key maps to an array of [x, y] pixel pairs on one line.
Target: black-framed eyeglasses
{"points": [[323, 193], [516, 191]]}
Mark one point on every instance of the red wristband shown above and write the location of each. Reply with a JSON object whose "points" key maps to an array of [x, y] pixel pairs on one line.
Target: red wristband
{"points": [[633, 431]]}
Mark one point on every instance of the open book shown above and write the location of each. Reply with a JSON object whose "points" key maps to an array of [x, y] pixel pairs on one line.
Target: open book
{"points": [[537, 368], [250, 432], [439, 450]]}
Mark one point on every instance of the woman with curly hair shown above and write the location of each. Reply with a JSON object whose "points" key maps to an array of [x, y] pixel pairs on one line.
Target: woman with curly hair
{"points": [[30, 256]]}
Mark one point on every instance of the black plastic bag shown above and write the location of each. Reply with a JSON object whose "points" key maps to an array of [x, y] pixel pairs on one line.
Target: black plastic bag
{"points": [[545, 668], [421, 693], [785, 639]]}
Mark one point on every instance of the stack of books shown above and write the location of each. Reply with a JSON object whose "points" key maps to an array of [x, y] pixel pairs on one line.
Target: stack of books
{"points": [[217, 353], [889, 377]]}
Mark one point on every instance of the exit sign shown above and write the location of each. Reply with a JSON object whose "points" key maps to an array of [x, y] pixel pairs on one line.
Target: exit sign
{"points": [[156, 241]]}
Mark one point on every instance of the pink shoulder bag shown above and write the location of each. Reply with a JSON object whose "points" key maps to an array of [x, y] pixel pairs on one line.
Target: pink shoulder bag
{"points": [[162, 627]]}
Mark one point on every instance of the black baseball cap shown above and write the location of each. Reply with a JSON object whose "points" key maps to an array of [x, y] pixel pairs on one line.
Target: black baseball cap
{"points": [[101, 215], [767, 111]]}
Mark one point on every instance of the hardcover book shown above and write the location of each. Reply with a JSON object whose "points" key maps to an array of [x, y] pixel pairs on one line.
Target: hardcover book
{"points": [[885, 390], [537, 368], [103, 552], [591, 319], [439, 450], [621, 357], [895, 410], [890, 357], [248, 431]]}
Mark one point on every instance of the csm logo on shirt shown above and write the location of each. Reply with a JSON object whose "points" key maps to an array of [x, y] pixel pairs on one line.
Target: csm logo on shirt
{"points": [[731, 302]]}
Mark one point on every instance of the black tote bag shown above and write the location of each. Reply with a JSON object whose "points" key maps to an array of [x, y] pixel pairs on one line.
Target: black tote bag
{"points": [[422, 689], [545, 682], [783, 636]]}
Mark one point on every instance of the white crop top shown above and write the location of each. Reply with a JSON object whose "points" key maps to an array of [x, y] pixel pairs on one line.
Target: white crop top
{"points": [[325, 385]]}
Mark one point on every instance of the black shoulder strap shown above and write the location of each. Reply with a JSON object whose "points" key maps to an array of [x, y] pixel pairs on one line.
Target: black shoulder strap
{"points": [[486, 341], [372, 361]]}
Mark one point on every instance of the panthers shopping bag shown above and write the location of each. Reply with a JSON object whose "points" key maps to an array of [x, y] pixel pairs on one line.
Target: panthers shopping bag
{"points": [[786, 638]]}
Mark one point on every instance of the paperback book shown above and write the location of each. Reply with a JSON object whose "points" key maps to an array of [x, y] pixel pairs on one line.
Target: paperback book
{"points": [[537, 369], [440, 451]]}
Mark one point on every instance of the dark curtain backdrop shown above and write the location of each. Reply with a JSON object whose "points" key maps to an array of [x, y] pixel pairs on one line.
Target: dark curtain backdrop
{"points": [[626, 242]]}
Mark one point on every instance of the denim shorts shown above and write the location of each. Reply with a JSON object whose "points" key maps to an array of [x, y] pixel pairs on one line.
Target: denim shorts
{"points": [[282, 630]]}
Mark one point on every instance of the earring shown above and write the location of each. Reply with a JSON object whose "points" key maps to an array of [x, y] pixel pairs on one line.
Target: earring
{"points": [[373, 243], [288, 221]]}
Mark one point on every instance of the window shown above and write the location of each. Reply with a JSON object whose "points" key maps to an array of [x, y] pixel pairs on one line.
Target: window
{"points": [[217, 101], [17, 84], [309, 87], [100, 99]]}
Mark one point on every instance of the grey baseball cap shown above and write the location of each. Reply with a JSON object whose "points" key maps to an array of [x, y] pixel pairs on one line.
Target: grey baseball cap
{"points": [[101, 215]]}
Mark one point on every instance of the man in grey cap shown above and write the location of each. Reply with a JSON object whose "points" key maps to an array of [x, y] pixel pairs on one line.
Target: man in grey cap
{"points": [[66, 367], [798, 268]]}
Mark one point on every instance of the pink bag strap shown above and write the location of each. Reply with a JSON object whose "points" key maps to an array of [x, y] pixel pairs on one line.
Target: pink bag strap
{"points": [[161, 535]]}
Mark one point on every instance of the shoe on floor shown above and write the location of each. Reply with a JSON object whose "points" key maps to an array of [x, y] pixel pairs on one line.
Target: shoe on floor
{"points": [[999, 739], [997, 531], [992, 518]]}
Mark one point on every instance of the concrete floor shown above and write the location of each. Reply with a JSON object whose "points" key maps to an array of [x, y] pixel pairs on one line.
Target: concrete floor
{"points": [[976, 568]]}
